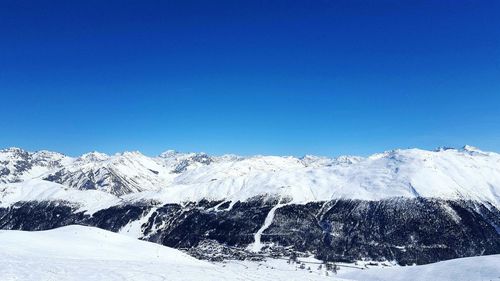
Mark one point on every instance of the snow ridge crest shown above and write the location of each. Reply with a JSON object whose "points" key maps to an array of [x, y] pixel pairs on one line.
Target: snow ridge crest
{"points": [[466, 173]]}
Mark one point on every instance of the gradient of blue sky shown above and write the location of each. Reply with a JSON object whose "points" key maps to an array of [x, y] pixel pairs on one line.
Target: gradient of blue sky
{"points": [[247, 77]]}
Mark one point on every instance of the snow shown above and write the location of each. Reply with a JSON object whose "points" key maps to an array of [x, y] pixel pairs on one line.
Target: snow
{"points": [[93, 243], [86, 253], [90, 201], [134, 228], [464, 269], [448, 174], [18, 164], [132, 169], [257, 245], [467, 173]]}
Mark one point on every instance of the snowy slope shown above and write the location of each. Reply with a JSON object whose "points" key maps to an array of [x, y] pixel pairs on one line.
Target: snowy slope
{"points": [[466, 173], [118, 174], [450, 174], [18, 165], [85, 253], [83, 242], [464, 269], [39, 190]]}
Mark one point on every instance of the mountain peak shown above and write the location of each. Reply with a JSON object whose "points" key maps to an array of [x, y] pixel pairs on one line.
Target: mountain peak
{"points": [[168, 153], [94, 156], [131, 153], [13, 149], [443, 148], [470, 148]]}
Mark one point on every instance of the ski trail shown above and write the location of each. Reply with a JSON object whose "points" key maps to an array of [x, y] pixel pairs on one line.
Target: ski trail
{"points": [[257, 245], [134, 228]]}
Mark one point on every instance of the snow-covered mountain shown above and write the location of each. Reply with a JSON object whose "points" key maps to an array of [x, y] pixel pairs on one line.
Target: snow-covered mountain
{"points": [[466, 173], [118, 174], [18, 165], [411, 206]]}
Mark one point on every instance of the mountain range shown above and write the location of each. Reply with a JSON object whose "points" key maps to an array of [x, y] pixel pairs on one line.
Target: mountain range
{"points": [[408, 205], [466, 173]]}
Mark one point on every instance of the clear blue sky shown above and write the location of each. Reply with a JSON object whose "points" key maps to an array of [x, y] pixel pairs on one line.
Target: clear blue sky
{"points": [[249, 77]]}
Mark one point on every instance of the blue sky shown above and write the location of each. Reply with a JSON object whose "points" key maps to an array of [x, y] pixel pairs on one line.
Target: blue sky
{"points": [[249, 77]]}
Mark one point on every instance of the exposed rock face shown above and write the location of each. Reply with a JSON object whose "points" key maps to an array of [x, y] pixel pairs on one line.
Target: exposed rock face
{"points": [[405, 230], [119, 174], [93, 179], [17, 164]]}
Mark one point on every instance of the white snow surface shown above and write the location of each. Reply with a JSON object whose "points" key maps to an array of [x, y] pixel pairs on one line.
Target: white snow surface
{"points": [[463, 269], [17, 164], [77, 253], [118, 174], [172, 177], [37, 190], [257, 245], [85, 253]]}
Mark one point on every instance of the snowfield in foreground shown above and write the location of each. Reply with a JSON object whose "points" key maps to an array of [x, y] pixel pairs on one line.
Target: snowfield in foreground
{"points": [[86, 253], [479, 268]]}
